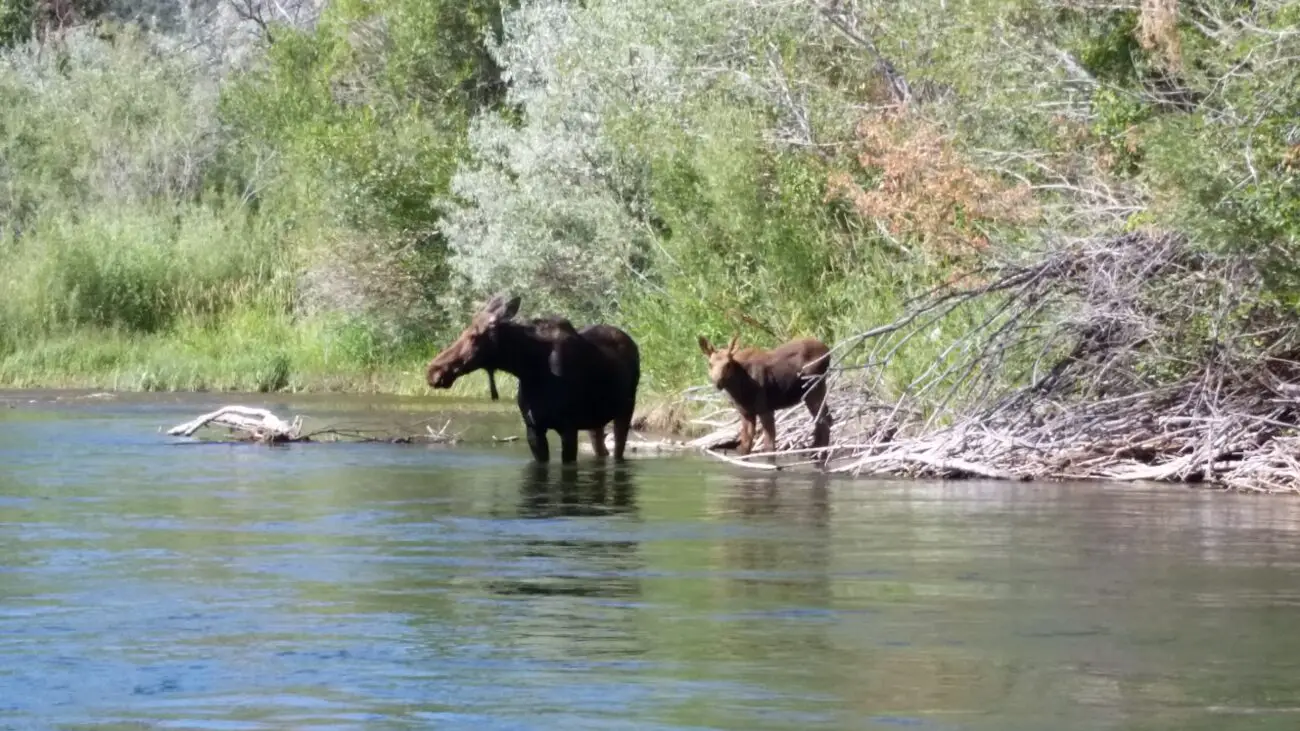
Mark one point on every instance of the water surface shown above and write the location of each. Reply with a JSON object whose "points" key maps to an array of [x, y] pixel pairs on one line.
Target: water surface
{"points": [[146, 584]]}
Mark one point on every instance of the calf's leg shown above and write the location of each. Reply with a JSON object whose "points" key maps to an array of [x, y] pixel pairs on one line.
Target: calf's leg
{"points": [[746, 434], [768, 419], [815, 400]]}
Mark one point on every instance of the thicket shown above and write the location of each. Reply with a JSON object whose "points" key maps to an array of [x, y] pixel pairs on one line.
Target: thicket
{"points": [[327, 190]]}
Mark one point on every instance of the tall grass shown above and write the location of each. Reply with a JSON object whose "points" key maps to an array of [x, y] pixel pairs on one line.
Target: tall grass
{"points": [[251, 350], [137, 268]]}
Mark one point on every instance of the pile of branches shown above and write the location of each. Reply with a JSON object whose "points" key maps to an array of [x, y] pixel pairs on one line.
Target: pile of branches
{"points": [[1137, 357]]}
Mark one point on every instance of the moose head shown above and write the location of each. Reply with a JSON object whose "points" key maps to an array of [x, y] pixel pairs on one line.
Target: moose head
{"points": [[477, 347], [723, 366]]}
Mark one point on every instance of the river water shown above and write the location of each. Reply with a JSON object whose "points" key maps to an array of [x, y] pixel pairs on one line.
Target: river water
{"points": [[150, 584]]}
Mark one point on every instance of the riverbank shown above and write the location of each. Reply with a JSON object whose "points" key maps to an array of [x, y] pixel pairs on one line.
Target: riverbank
{"points": [[254, 365]]}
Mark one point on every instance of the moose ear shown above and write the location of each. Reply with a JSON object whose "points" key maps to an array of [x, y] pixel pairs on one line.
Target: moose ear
{"points": [[734, 339], [705, 347], [498, 309], [511, 308], [493, 306]]}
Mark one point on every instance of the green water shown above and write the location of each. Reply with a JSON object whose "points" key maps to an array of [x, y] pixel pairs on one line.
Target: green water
{"points": [[145, 584]]}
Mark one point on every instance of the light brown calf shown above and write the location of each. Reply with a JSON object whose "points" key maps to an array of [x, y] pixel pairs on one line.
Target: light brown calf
{"points": [[760, 382]]}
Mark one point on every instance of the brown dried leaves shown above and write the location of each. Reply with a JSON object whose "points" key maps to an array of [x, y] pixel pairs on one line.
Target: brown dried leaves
{"points": [[925, 189]]}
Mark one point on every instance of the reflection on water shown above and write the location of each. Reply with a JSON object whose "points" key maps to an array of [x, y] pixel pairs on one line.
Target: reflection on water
{"points": [[604, 565], [596, 488], [380, 586]]}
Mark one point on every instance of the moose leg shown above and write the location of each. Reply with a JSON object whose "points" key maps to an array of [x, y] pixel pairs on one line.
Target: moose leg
{"points": [[746, 434], [537, 443], [768, 420], [816, 403], [569, 446], [598, 442], [622, 426]]}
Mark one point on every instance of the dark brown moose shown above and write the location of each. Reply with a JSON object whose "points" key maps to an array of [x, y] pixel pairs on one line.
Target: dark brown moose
{"points": [[760, 382], [569, 380]]}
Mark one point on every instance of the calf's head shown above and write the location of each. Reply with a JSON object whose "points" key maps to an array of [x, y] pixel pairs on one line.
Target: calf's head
{"points": [[477, 347], [723, 367]]}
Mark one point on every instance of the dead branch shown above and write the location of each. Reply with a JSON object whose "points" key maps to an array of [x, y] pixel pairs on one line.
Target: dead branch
{"points": [[846, 24], [253, 11]]}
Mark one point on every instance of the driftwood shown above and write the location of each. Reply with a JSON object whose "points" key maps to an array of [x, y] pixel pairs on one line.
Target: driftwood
{"points": [[257, 424], [260, 425], [1128, 358]]}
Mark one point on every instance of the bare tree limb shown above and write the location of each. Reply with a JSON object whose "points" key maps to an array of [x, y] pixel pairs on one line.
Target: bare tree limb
{"points": [[846, 24]]}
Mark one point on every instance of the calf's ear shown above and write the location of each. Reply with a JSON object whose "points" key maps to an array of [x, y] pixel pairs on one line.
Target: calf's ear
{"points": [[734, 339], [705, 347]]}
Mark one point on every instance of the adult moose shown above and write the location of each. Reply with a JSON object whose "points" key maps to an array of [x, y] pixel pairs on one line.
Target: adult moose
{"points": [[569, 379], [760, 382]]}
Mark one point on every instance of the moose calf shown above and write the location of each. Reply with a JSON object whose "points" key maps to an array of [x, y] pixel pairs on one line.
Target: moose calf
{"points": [[760, 382]]}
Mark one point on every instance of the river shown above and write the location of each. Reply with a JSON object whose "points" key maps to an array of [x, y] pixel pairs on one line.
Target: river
{"points": [[146, 583]]}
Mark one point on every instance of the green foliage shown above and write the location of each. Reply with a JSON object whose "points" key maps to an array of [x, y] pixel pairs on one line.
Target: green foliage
{"points": [[101, 121], [639, 190], [248, 350], [671, 166], [435, 52], [20, 19], [353, 131], [1108, 45], [130, 208], [105, 146], [1116, 120], [16, 19], [1225, 170]]}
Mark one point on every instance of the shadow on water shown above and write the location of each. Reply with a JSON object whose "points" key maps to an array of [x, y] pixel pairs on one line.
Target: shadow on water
{"points": [[787, 557]]}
